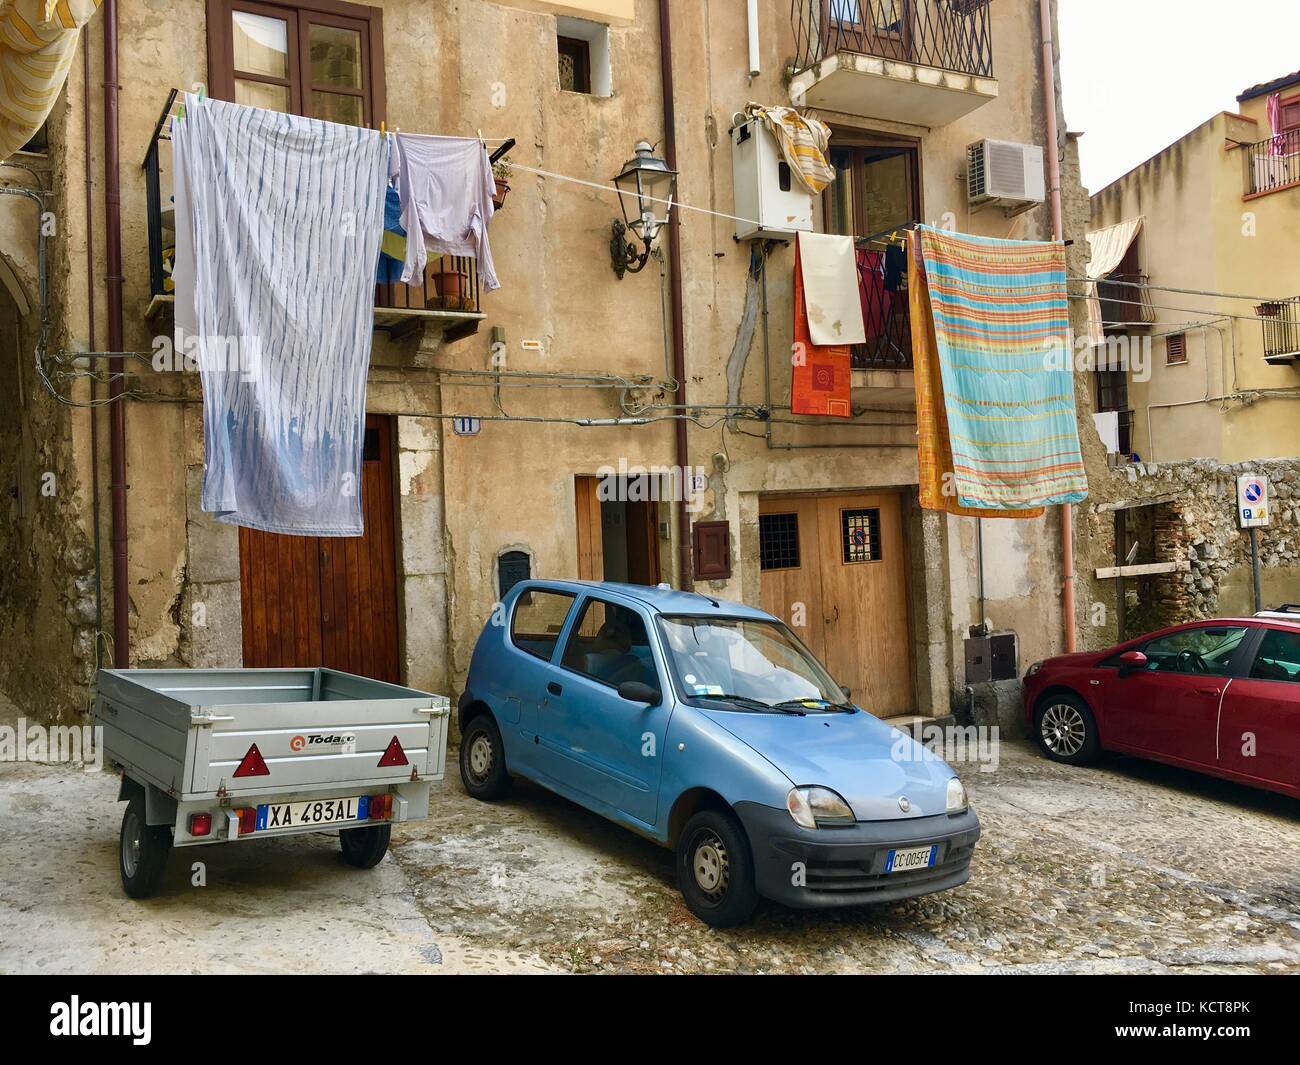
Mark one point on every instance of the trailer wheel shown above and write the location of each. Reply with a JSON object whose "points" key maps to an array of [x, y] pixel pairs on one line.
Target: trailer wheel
{"points": [[365, 847], [143, 850]]}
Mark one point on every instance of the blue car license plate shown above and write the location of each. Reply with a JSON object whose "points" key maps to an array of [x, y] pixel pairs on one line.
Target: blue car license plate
{"points": [[904, 861]]}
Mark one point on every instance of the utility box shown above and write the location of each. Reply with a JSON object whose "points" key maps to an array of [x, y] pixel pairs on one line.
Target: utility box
{"points": [[992, 657], [768, 193]]}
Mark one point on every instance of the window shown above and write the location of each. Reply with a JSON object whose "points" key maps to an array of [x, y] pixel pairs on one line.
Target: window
{"points": [[1291, 113], [575, 65], [584, 56], [778, 541], [1112, 390], [1207, 649], [874, 190], [1278, 657], [1176, 349], [538, 618], [860, 535], [322, 59], [610, 644]]}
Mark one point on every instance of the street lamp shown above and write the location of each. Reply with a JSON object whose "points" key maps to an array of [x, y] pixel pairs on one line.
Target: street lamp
{"points": [[645, 192]]}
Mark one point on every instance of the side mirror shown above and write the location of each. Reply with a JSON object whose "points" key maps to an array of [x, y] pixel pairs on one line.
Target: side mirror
{"points": [[1130, 661], [636, 692]]}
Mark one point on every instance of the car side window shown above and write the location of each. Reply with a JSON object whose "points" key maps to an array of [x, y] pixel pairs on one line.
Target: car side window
{"points": [[610, 644], [1278, 657], [537, 621], [1205, 649]]}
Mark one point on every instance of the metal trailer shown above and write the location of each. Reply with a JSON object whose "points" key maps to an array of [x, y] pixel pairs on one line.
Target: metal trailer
{"points": [[223, 755]]}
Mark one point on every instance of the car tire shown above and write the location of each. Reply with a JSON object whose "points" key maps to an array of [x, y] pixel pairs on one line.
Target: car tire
{"points": [[142, 851], [483, 760], [715, 869], [1066, 731], [365, 847]]}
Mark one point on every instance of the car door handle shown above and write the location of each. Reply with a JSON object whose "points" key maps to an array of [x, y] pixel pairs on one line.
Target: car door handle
{"points": [[1209, 691], [554, 688]]}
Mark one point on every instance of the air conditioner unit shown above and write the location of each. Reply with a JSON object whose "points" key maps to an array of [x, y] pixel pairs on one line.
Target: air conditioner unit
{"points": [[1005, 174], [771, 198]]}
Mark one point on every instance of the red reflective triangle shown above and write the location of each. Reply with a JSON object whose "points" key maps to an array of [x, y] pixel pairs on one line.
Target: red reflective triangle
{"points": [[394, 755], [253, 765]]}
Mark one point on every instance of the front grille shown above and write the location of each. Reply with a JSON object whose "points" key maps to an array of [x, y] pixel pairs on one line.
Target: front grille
{"points": [[845, 878]]}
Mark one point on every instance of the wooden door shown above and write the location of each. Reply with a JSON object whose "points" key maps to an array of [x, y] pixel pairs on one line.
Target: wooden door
{"points": [[851, 578], [328, 601], [643, 542], [871, 27], [791, 567], [590, 539]]}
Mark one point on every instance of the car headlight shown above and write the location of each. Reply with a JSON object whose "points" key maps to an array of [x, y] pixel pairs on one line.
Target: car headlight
{"points": [[1034, 669], [813, 807], [957, 800]]}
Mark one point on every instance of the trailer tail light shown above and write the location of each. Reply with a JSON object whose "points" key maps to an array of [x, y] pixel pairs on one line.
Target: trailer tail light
{"points": [[247, 819], [381, 807], [393, 756], [253, 765], [200, 824]]}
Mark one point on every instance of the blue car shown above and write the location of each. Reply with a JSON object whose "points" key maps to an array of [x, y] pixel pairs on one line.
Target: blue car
{"points": [[708, 727]]}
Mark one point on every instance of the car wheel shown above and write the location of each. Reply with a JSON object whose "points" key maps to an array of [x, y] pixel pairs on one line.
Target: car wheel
{"points": [[483, 760], [715, 870], [1066, 730], [142, 852], [365, 848]]}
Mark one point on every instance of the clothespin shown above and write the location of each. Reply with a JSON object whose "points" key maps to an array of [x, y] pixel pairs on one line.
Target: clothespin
{"points": [[382, 128]]}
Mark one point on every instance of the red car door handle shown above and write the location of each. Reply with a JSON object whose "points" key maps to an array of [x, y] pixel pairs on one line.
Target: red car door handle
{"points": [[1209, 691]]}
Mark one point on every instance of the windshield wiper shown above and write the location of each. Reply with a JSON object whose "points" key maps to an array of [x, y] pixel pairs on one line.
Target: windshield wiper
{"points": [[822, 704], [745, 700]]}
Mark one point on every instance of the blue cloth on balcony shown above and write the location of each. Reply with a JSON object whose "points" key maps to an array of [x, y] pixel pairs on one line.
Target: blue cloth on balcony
{"points": [[278, 227], [390, 265]]}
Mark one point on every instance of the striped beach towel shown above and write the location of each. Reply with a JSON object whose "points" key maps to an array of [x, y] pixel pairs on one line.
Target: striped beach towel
{"points": [[38, 39], [278, 227], [991, 336]]}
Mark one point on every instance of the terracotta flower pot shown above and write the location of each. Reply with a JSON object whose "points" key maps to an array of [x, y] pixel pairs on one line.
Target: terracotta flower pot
{"points": [[502, 189], [453, 288]]}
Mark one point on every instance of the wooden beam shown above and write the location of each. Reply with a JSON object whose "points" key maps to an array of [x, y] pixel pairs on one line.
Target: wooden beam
{"points": [[1150, 569], [1129, 504]]}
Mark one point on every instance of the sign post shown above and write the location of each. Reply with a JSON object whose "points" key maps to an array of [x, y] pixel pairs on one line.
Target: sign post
{"points": [[1253, 513]]}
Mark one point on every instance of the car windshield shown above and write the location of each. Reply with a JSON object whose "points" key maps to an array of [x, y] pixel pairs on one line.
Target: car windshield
{"points": [[751, 664]]}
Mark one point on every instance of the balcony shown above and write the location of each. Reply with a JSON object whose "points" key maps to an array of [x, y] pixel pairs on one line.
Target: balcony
{"points": [[921, 62], [1281, 330], [448, 296], [1125, 300], [1273, 164], [882, 367]]}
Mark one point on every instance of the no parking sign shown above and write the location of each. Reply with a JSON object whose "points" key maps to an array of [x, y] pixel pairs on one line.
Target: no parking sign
{"points": [[1252, 500]]}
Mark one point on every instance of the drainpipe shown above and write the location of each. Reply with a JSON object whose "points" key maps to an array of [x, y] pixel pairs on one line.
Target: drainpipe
{"points": [[90, 337], [1058, 233], [116, 388], [675, 287]]}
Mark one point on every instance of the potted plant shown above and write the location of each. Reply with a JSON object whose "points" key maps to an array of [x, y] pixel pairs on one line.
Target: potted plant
{"points": [[501, 176], [453, 288]]}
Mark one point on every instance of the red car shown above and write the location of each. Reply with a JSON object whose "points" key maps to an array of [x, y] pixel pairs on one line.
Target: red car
{"points": [[1222, 697]]}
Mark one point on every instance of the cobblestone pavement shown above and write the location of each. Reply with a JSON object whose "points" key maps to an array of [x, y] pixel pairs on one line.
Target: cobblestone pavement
{"points": [[1128, 867]]}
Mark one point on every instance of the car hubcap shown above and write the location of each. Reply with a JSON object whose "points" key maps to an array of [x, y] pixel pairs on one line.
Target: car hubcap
{"points": [[710, 865], [480, 757], [1063, 729], [131, 845]]}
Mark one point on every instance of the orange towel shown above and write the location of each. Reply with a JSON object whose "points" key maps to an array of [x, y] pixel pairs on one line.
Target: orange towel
{"points": [[823, 376]]}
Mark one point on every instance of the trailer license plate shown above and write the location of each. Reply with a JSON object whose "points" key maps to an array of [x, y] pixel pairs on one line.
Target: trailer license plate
{"points": [[914, 858], [271, 816]]}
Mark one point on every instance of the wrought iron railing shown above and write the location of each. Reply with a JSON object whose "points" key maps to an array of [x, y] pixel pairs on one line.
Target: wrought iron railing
{"points": [[450, 283], [882, 284], [1273, 163], [1125, 301], [1281, 328], [948, 34]]}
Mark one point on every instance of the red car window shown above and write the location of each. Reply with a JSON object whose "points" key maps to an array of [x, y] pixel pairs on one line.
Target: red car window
{"points": [[1278, 657]]}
